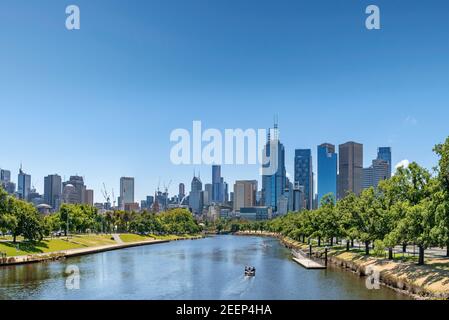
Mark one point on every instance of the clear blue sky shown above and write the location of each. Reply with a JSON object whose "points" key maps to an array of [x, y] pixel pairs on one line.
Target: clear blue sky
{"points": [[101, 102]]}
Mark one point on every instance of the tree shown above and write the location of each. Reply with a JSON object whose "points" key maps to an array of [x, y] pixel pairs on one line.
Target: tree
{"points": [[368, 220], [348, 210], [442, 195]]}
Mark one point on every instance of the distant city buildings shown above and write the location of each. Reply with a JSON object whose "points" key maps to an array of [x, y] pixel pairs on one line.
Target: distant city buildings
{"points": [[53, 191], [384, 153], [273, 181], [196, 196], [350, 176], [245, 192], [74, 190], [379, 170], [5, 181], [327, 171], [304, 174], [23, 185], [337, 174], [126, 192]]}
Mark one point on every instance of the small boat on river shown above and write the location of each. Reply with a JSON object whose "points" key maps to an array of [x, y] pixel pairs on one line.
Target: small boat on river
{"points": [[250, 271]]}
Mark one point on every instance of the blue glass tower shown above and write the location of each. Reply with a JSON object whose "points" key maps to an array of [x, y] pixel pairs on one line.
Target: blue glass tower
{"points": [[327, 171], [274, 176], [304, 174], [384, 153]]}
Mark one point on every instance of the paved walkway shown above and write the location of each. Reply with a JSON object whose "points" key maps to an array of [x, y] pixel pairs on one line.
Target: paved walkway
{"points": [[117, 238]]}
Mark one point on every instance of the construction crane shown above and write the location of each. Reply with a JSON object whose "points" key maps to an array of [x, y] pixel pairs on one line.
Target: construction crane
{"points": [[105, 194], [113, 198]]}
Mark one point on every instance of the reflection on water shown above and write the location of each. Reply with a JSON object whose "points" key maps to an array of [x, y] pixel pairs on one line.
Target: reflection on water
{"points": [[210, 268]]}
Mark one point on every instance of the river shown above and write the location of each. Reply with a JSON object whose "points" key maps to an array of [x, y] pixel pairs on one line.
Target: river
{"points": [[210, 268]]}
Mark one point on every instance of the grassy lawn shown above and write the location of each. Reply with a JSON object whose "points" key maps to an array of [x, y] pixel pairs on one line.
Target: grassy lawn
{"points": [[134, 237], [52, 245], [74, 242]]}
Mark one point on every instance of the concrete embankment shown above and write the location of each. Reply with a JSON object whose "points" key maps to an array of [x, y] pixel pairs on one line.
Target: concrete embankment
{"points": [[420, 282], [58, 255]]}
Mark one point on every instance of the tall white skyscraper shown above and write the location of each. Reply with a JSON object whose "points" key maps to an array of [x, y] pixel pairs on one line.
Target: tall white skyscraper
{"points": [[126, 191]]}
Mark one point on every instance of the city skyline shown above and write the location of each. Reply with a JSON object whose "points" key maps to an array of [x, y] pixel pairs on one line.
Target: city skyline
{"points": [[313, 63]]}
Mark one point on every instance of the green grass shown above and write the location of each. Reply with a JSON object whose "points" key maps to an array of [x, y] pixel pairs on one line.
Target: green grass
{"points": [[52, 245], [134, 238]]}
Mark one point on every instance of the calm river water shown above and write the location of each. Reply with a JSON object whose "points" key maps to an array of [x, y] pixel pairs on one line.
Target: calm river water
{"points": [[210, 268]]}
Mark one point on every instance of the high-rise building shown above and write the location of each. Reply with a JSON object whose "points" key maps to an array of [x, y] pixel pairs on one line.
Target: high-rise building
{"points": [[217, 187], [89, 197], [274, 175], [298, 197], [245, 192], [327, 171], [5, 176], [350, 176], [384, 153], [74, 190], [5, 181], [207, 194], [23, 185], [182, 192], [53, 191], [196, 196], [378, 171], [126, 191], [304, 174]]}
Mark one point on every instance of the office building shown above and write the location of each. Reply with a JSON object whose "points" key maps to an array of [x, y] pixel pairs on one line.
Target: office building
{"points": [[126, 191], [274, 175], [378, 171], [304, 174], [181, 192], [53, 191], [327, 171], [384, 153], [245, 192], [23, 185], [196, 196], [74, 190], [89, 197], [255, 213], [350, 176]]}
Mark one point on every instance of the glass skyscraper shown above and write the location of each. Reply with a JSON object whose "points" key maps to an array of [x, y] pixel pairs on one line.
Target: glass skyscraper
{"points": [[304, 174], [274, 175], [384, 153], [327, 171]]}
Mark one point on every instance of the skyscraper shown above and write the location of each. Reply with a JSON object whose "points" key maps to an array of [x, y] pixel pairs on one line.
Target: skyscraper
{"points": [[23, 185], [244, 194], [327, 171], [304, 174], [207, 195], [5, 181], [384, 153], [89, 197], [350, 176], [74, 190], [182, 192], [196, 196], [218, 186], [378, 171], [53, 191], [274, 175], [126, 191]]}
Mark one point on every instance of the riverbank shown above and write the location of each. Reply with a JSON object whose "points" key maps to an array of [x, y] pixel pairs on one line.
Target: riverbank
{"points": [[82, 247], [421, 282]]}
